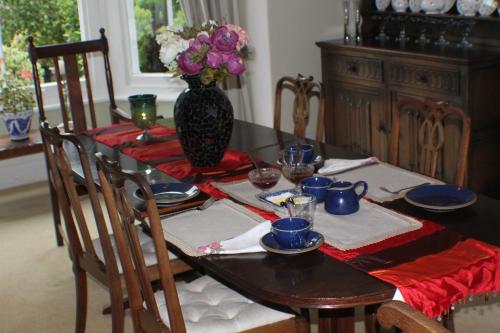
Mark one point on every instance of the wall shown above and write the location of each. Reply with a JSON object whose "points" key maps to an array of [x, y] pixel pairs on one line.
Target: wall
{"points": [[283, 35]]}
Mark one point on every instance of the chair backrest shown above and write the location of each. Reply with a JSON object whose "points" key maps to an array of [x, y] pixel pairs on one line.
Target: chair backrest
{"points": [[77, 229], [430, 138], [70, 53], [303, 89], [407, 319], [121, 215]]}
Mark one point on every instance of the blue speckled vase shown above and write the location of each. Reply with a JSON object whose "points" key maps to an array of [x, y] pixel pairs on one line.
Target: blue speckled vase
{"points": [[204, 122]]}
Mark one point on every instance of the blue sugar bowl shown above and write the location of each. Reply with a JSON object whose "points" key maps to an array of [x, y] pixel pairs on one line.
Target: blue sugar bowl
{"points": [[316, 186]]}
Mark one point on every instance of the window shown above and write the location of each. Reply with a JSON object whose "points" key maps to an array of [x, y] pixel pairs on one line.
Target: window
{"points": [[149, 15], [48, 21]]}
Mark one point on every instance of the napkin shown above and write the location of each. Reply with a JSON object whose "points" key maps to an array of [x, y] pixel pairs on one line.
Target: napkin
{"points": [[335, 165], [247, 242]]}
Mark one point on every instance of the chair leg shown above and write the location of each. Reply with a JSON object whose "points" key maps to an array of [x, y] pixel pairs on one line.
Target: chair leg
{"points": [[448, 321], [107, 310], [81, 299], [371, 323], [56, 214], [117, 309]]}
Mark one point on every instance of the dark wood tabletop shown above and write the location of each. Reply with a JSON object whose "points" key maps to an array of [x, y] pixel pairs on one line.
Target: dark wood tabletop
{"points": [[311, 280]]}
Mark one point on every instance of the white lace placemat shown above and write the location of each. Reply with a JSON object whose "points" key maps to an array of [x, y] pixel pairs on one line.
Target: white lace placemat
{"points": [[385, 175], [223, 220], [371, 224], [245, 192]]}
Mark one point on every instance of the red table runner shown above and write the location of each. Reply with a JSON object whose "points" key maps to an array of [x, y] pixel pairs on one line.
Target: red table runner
{"points": [[433, 267]]}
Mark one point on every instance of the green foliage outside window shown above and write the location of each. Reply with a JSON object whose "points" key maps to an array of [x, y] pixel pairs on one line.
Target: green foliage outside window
{"points": [[149, 16], [48, 21]]}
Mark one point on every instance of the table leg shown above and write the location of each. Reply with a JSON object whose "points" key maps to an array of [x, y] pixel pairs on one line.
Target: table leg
{"points": [[336, 321], [371, 323]]}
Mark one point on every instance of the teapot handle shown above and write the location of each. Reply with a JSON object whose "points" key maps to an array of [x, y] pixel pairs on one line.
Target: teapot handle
{"points": [[365, 188]]}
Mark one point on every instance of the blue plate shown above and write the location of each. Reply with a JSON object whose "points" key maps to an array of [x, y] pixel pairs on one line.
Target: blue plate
{"points": [[440, 198], [269, 243], [168, 194]]}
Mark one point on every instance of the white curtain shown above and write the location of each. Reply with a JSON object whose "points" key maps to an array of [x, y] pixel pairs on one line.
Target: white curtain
{"points": [[199, 11]]}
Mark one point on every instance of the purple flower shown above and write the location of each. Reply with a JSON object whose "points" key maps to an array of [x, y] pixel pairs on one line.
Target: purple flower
{"points": [[186, 63], [224, 40], [214, 59], [234, 64], [197, 43]]}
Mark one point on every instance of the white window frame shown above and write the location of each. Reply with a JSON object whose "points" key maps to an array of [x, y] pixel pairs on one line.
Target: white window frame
{"points": [[113, 15], [117, 18]]}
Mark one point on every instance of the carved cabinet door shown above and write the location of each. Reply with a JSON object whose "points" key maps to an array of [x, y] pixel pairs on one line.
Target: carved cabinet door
{"points": [[359, 119]]}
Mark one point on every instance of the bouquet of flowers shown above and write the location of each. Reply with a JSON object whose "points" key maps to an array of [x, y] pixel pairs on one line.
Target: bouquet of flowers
{"points": [[211, 51]]}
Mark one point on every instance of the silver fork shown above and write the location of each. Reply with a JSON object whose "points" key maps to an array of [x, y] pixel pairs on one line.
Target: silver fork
{"points": [[385, 189], [203, 206]]}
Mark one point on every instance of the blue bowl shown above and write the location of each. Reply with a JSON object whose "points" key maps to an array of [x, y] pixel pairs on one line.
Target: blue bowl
{"points": [[308, 152], [291, 232], [316, 186]]}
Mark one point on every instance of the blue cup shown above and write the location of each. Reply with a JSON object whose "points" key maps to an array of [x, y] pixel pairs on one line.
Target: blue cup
{"points": [[316, 186], [308, 155], [342, 198], [291, 232]]}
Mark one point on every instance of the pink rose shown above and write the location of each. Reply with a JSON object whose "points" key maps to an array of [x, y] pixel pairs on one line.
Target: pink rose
{"points": [[243, 39], [234, 64], [224, 40], [197, 43], [187, 65], [214, 59]]}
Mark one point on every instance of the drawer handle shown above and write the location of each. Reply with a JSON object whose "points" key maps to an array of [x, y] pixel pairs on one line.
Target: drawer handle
{"points": [[352, 68], [423, 79]]}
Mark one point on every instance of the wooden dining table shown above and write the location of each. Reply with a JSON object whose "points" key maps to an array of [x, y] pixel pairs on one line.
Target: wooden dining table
{"points": [[311, 280]]}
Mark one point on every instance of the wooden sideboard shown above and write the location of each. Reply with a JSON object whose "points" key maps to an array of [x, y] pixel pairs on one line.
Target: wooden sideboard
{"points": [[363, 83]]}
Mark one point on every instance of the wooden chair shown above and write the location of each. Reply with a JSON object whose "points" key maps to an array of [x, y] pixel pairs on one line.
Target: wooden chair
{"points": [[70, 53], [402, 316], [179, 307], [303, 89], [93, 256], [430, 129]]}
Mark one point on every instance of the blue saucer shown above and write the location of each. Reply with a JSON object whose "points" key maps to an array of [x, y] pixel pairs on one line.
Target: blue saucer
{"points": [[168, 194], [440, 198], [316, 160], [269, 243]]}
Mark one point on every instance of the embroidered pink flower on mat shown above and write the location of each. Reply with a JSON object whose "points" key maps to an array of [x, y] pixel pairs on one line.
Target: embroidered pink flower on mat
{"points": [[210, 248]]}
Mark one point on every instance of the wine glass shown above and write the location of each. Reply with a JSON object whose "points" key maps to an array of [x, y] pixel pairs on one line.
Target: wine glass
{"points": [[264, 178], [295, 172], [293, 154], [143, 110]]}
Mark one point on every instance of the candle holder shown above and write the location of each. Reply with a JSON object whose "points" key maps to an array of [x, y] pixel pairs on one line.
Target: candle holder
{"points": [[143, 111]]}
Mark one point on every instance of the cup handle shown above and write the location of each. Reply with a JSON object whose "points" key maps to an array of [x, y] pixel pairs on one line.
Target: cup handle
{"points": [[365, 188]]}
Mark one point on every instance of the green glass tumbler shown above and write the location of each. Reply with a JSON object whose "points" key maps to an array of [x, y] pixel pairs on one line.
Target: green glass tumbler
{"points": [[143, 110]]}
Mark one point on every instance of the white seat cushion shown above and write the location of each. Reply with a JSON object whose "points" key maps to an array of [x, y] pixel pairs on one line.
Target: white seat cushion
{"points": [[146, 244], [209, 306]]}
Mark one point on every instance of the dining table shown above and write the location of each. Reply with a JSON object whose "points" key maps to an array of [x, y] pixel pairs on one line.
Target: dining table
{"points": [[312, 280]]}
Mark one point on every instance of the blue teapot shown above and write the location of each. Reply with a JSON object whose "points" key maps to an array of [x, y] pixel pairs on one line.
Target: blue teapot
{"points": [[342, 199]]}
